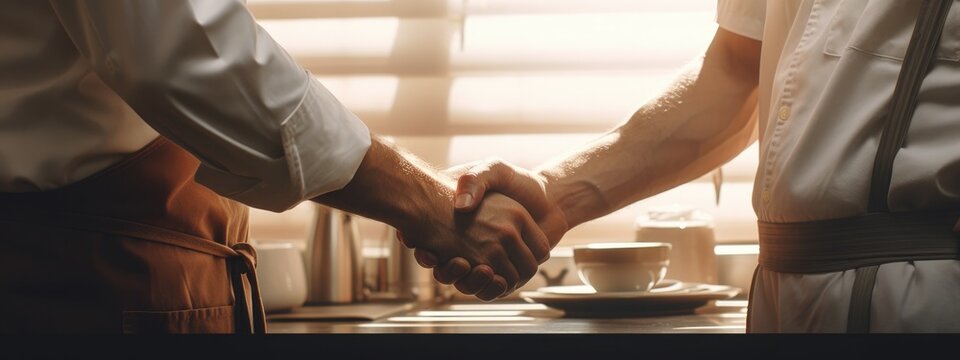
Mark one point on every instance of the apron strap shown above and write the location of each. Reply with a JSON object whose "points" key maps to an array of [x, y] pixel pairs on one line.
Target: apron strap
{"points": [[858, 315], [916, 64], [245, 263]]}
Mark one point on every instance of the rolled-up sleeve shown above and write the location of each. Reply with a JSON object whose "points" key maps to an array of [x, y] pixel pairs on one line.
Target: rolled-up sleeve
{"points": [[742, 17], [205, 75]]}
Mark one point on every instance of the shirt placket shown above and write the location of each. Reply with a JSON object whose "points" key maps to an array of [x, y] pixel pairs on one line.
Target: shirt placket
{"points": [[785, 109]]}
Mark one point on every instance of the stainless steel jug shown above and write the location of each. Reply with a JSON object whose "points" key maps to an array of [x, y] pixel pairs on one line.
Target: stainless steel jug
{"points": [[393, 273], [333, 258]]}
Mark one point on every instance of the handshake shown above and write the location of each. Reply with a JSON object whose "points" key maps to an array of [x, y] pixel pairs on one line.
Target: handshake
{"points": [[502, 226]]}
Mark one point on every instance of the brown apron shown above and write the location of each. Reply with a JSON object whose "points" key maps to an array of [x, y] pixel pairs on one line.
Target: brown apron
{"points": [[863, 243], [136, 248]]}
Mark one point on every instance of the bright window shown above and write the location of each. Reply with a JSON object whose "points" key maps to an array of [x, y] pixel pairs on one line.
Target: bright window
{"points": [[459, 80]]}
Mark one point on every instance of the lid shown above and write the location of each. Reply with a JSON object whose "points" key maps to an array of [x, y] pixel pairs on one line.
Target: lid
{"points": [[674, 216]]}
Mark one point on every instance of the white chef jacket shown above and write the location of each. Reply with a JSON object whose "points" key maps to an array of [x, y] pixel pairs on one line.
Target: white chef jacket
{"points": [[828, 70], [86, 82]]}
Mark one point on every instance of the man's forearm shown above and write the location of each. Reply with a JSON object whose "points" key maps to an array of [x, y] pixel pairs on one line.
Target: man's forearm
{"points": [[702, 121], [482, 255], [394, 188]]}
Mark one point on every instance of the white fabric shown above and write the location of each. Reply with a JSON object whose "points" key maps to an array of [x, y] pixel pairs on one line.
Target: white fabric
{"points": [[86, 82], [828, 70]]}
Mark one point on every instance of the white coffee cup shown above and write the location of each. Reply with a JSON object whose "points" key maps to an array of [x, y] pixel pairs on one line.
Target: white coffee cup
{"points": [[281, 275], [627, 266]]}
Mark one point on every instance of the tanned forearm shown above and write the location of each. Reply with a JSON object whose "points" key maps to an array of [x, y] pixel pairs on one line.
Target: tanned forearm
{"points": [[395, 188], [702, 121], [486, 252]]}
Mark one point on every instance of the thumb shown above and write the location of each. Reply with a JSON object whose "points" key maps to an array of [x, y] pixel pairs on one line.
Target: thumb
{"points": [[470, 188]]}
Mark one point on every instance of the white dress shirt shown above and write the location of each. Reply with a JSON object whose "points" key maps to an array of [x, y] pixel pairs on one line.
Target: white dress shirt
{"points": [[86, 82], [828, 70]]}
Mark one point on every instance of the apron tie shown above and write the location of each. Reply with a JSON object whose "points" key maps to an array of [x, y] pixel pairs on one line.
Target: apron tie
{"points": [[244, 263]]}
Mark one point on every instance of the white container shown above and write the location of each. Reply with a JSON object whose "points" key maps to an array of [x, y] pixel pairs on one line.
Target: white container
{"points": [[690, 232], [280, 273]]}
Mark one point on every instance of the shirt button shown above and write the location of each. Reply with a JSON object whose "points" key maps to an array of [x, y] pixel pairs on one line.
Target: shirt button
{"points": [[784, 112], [765, 196]]}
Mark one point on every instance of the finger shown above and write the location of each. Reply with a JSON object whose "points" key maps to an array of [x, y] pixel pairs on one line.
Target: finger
{"points": [[453, 270], [403, 241], [522, 259], [503, 267], [472, 185], [493, 290], [425, 258], [480, 276], [534, 238], [503, 178]]}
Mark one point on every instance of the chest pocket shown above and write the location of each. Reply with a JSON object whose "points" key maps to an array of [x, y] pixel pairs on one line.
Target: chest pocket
{"points": [[883, 28]]}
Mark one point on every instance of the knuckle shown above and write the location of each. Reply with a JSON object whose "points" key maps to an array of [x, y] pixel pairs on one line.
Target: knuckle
{"points": [[511, 237], [468, 178], [505, 170], [504, 231], [499, 167], [453, 273], [517, 213], [439, 276], [482, 272], [494, 251]]}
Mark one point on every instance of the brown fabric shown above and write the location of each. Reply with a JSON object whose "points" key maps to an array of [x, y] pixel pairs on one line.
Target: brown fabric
{"points": [[138, 247], [854, 242], [917, 62]]}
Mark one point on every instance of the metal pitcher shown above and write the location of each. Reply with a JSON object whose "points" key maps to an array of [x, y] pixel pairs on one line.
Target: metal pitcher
{"points": [[333, 258], [399, 277]]}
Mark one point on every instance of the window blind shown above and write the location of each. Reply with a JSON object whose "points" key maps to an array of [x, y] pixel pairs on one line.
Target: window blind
{"points": [[525, 80], [474, 67]]}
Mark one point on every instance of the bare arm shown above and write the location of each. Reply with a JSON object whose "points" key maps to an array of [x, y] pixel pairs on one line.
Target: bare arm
{"points": [[398, 189], [205, 75], [700, 122]]}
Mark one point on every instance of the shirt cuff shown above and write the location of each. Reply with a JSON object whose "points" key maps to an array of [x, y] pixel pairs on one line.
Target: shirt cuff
{"points": [[742, 17], [323, 145]]}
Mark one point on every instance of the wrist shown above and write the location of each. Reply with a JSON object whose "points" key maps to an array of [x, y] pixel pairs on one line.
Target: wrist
{"points": [[577, 201], [556, 222], [428, 207]]}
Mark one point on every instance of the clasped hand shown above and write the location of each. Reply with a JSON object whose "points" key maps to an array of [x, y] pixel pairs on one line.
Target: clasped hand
{"points": [[504, 214]]}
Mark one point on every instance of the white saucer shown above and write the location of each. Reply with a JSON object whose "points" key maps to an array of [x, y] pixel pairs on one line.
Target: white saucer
{"points": [[670, 297], [665, 285]]}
